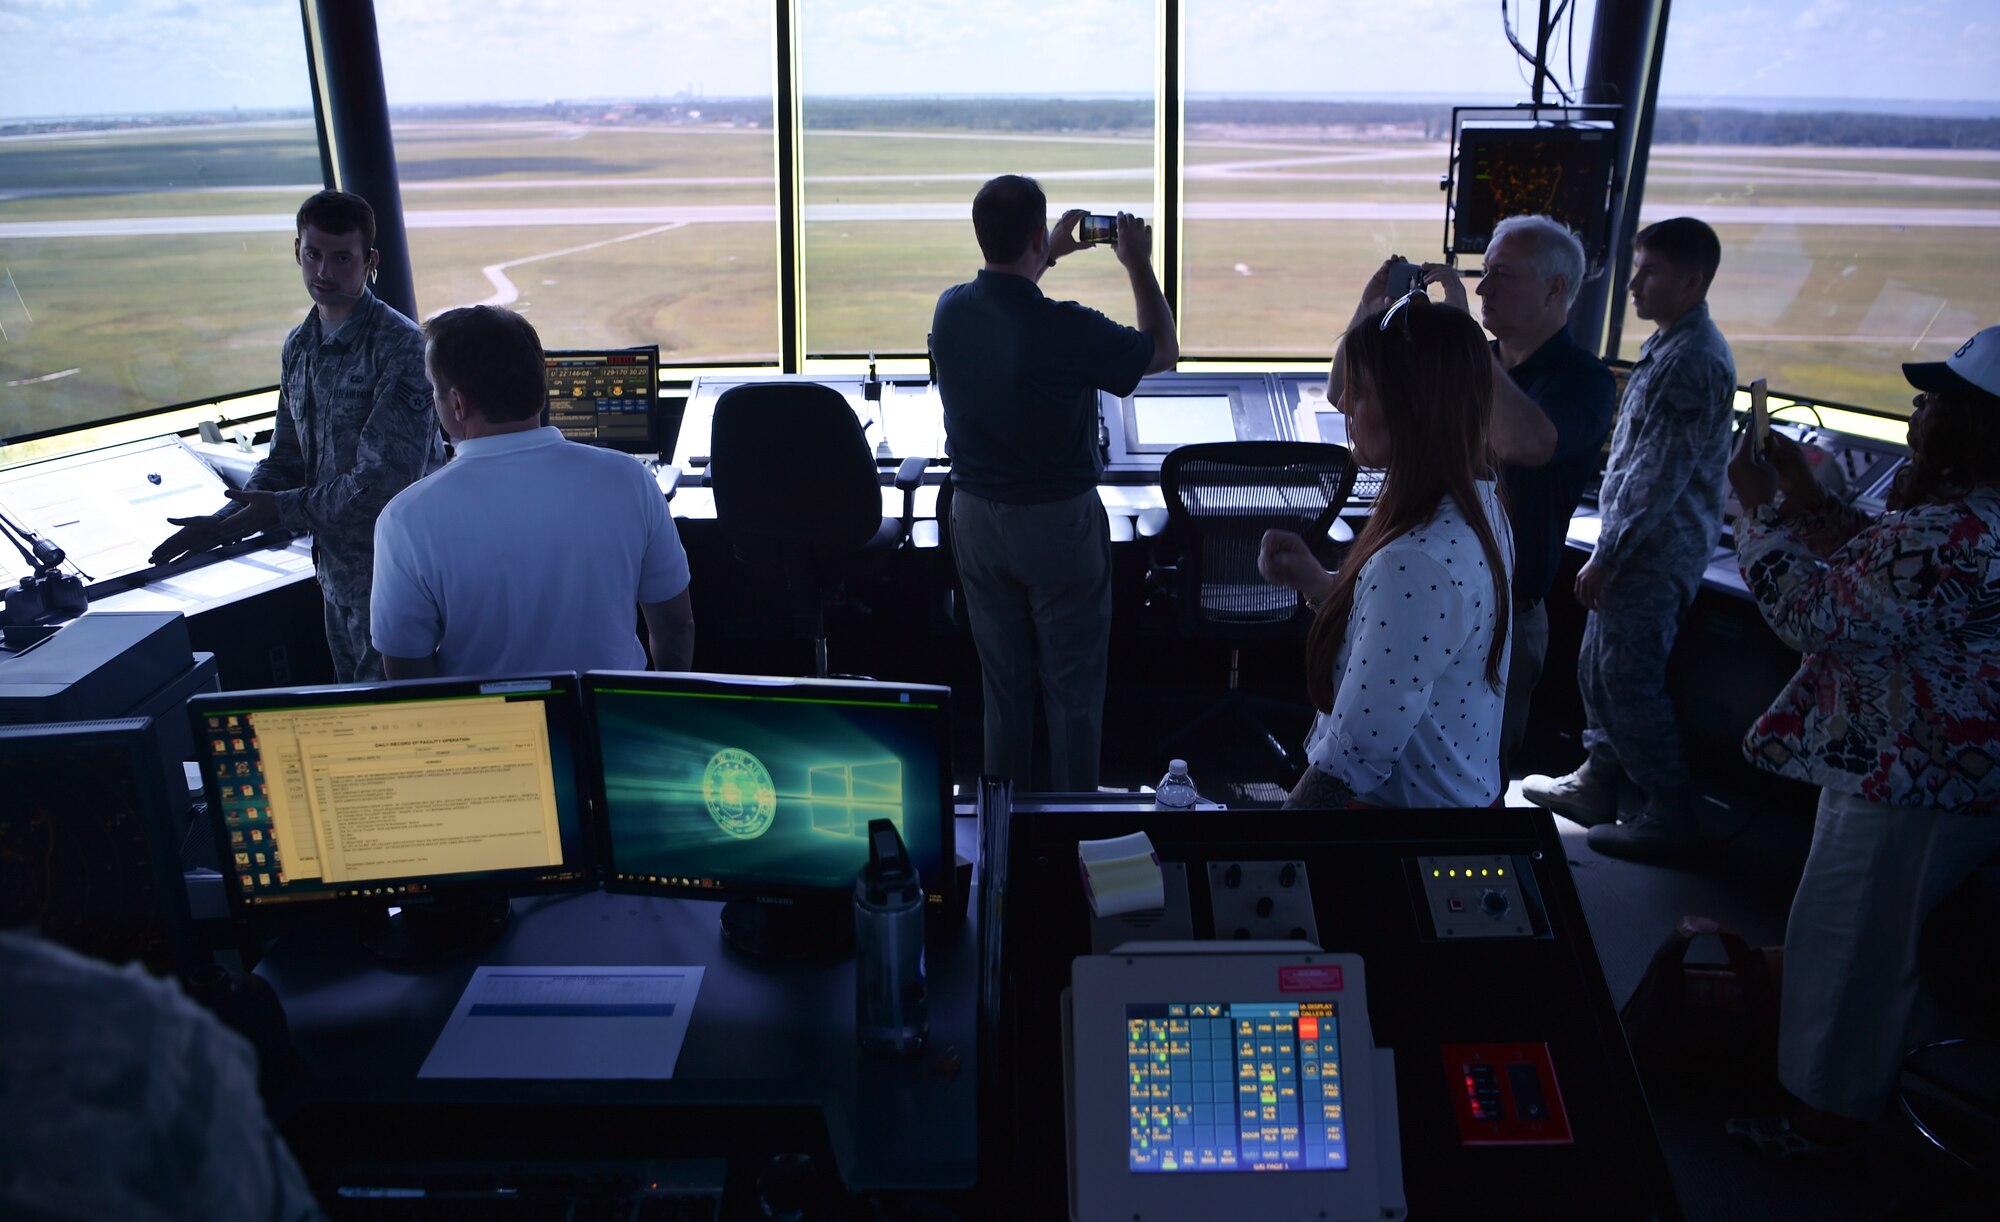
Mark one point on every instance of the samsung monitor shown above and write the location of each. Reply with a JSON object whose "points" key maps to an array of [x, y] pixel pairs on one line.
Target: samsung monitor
{"points": [[1561, 172], [760, 790], [89, 844], [443, 795], [606, 397]]}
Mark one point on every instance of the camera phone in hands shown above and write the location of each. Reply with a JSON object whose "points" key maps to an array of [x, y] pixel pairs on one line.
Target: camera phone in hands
{"points": [[1097, 229]]}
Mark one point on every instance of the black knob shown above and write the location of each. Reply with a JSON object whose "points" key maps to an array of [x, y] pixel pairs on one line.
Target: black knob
{"points": [[1298, 931], [1288, 875], [1494, 902], [1233, 876], [1264, 906], [1242, 935]]}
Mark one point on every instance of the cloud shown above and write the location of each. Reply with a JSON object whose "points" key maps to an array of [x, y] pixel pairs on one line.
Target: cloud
{"points": [[1820, 14]]}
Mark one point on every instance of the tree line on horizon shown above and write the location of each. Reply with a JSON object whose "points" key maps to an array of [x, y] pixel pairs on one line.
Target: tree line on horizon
{"points": [[1417, 120]]}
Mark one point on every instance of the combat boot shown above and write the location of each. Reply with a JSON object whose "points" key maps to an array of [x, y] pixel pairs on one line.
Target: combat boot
{"points": [[1589, 795], [1664, 830]]}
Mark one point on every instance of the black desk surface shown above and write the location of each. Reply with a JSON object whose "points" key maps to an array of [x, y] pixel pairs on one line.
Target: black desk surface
{"points": [[763, 1036], [1424, 993]]}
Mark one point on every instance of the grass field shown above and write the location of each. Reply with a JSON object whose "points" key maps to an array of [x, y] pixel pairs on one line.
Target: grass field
{"points": [[585, 229]]}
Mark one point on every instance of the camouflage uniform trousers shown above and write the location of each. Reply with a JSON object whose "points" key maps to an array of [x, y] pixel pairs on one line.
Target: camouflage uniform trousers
{"points": [[1621, 672], [347, 639]]}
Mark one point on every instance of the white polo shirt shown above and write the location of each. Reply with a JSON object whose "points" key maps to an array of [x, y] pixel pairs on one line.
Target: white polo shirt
{"points": [[525, 553]]}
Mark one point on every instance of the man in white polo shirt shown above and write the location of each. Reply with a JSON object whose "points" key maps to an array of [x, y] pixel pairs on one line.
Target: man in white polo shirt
{"points": [[526, 552]]}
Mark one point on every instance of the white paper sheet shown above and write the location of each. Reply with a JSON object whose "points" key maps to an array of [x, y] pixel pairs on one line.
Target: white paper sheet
{"points": [[567, 1022]]}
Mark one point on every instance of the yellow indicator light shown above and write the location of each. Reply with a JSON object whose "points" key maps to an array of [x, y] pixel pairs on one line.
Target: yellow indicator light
{"points": [[1501, 873], [1482, 874], [1434, 873], [1454, 873]]}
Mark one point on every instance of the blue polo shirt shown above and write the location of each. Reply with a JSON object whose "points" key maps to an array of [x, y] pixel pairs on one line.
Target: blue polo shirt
{"points": [[1578, 394], [1019, 376]]}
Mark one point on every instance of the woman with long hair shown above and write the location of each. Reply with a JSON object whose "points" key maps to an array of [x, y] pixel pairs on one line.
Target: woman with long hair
{"points": [[1406, 661], [1894, 713]]}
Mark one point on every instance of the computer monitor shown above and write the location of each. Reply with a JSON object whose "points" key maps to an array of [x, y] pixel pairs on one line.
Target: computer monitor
{"points": [[332, 801], [1165, 413], [89, 844], [605, 397], [760, 790], [1561, 172]]}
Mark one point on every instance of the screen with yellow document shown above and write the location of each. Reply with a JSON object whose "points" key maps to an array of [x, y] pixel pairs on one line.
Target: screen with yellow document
{"points": [[403, 794]]}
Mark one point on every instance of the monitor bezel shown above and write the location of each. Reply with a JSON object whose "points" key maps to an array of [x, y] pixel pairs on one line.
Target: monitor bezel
{"points": [[579, 850], [940, 892], [1241, 389]]}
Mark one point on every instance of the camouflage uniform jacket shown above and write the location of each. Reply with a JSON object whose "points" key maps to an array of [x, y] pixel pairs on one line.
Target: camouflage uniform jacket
{"points": [[1898, 697], [1661, 499], [355, 427]]}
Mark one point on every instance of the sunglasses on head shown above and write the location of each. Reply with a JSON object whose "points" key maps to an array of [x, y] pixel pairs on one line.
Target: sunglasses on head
{"points": [[1396, 307]]}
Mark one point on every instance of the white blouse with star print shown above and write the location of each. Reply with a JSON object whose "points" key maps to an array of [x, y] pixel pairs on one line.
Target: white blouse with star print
{"points": [[1414, 722]]}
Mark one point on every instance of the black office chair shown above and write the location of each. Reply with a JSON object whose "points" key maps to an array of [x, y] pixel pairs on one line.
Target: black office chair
{"points": [[1221, 498], [798, 495], [936, 534]]}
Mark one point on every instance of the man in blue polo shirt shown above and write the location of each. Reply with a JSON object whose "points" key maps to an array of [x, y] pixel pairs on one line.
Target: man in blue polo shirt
{"points": [[1533, 268], [1019, 375], [527, 552]]}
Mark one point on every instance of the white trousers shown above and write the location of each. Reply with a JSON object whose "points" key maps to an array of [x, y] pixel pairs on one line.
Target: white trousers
{"points": [[1874, 873]]}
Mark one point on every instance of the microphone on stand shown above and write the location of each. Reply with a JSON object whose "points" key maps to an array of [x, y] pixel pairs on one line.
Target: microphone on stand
{"points": [[48, 596]]}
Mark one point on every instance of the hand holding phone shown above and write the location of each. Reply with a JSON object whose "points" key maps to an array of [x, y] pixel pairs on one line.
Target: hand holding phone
{"points": [[1097, 229], [1404, 277], [1760, 419]]}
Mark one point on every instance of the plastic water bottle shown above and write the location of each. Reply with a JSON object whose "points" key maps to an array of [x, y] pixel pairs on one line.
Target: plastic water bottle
{"points": [[1176, 789]]}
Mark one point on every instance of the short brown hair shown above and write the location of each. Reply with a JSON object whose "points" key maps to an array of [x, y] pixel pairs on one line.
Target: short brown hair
{"points": [[491, 356], [1686, 243], [339, 212]]}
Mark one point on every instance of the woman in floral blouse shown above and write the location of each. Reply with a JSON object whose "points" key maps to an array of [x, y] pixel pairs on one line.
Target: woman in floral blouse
{"points": [[1894, 714]]}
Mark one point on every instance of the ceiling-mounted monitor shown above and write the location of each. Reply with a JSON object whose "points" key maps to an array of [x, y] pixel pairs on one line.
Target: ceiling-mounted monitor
{"points": [[1519, 167]]}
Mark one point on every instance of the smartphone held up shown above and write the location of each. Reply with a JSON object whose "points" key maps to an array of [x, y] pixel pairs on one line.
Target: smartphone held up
{"points": [[1404, 277], [1096, 229]]}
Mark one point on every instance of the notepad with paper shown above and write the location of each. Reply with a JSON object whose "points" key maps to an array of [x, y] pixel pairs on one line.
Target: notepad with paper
{"points": [[567, 1022]]}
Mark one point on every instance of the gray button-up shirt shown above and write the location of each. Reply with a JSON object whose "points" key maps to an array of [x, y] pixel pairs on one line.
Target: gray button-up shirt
{"points": [[355, 427], [1661, 499]]}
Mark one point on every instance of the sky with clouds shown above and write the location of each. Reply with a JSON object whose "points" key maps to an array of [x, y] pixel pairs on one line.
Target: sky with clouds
{"points": [[150, 56]]}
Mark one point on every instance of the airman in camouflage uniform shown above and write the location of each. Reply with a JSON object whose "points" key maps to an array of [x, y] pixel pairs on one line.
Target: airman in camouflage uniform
{"points": [[355, 427], [1660, 506]]}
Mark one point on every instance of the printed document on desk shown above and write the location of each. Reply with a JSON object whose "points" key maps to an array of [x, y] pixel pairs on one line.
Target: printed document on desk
{"points": [[567, 1022]]}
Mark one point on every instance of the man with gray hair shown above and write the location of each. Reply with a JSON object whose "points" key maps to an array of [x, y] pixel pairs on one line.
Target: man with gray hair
{"points": [[1533, 269]]}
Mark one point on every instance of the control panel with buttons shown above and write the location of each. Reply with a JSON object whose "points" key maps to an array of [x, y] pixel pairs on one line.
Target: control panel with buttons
{"points": [[1506, 1095], [1262, 900], [1476, 897]]}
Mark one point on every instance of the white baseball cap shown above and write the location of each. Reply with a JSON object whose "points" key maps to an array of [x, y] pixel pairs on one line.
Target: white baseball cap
{"points": [[1975, 366]]}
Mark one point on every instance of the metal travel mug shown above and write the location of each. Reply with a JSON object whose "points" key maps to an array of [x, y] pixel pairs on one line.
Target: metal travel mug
{"points": [[891, 1010]]}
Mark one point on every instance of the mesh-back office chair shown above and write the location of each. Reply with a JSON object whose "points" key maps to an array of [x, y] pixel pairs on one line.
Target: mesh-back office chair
{"points": [[798, 495], [1221, 498]]}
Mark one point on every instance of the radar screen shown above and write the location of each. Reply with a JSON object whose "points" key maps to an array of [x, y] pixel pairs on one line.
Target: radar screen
{"points": [[605, 397], [1562, 172]]}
